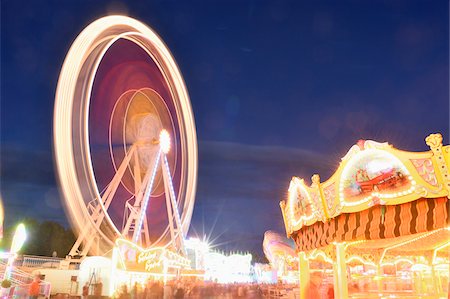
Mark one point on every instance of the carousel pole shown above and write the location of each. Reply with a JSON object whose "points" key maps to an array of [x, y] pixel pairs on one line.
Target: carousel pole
{"points": [[303, 264], [340, 273], [379, 276], [434, 280], [430, 260]]}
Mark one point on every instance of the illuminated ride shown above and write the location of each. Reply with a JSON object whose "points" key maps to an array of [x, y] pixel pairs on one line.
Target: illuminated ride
{"points": [[124, 140], [380, 225], [282, 256]]}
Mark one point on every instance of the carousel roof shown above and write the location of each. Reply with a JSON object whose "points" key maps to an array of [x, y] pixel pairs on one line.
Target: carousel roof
{"points": [[379, 199]]}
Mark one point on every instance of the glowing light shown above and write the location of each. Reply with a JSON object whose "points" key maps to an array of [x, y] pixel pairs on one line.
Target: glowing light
{"points": [[374, 166], [152, 258], [164, 141], [19, 238], [297, 187], [410, 241], [359, 259], [228, 269], [147, 194], [318, 253], [172, 197], [420, 267], [437, 249], [378, 165], [398, 261], [196, 244]]}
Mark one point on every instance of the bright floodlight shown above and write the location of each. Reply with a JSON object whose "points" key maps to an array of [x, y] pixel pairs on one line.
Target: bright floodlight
{"points": [[164, 141]]}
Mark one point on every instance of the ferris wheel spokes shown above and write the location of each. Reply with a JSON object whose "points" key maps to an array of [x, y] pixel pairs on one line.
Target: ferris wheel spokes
{"points": [[136, 214], [177, 233], [133, 211], [95, 206], [142, 211]]}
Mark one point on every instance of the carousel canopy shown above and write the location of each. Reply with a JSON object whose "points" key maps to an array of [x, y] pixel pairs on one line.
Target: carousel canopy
{"points": [[381, 200]]}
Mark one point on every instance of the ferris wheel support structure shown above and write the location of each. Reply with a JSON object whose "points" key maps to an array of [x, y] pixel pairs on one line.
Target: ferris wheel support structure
{"points": [[136, 220]]}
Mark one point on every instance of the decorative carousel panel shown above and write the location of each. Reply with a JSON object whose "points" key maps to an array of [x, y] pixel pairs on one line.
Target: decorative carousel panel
{"points": [[377, 174], [331, 197], [300, 208], [425, 168], [372, 177]]}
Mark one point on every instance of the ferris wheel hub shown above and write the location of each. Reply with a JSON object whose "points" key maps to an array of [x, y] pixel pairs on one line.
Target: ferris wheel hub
{"points": [[143, 130]]}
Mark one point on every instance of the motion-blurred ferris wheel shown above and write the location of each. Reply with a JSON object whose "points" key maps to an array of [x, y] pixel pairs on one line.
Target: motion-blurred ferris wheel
{"points": [[124, 139]]}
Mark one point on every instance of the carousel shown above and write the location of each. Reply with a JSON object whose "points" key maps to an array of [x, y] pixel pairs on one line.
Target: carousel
{"points": [[379, 227]]}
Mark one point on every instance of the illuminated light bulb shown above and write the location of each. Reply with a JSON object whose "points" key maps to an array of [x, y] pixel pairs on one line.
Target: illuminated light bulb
{"points": [[164, 141]]}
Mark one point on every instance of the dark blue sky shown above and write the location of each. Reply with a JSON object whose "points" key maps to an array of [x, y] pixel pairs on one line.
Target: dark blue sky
{"points": [[278, 89]]}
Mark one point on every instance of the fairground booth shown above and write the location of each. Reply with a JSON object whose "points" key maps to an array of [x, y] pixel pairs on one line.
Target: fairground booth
{"points": [[379, 227]]}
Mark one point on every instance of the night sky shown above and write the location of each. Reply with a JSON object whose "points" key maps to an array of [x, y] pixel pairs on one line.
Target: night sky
{"points": [[277, 89]]}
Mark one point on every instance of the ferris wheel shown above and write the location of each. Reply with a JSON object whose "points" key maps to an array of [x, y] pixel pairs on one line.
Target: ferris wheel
{"points": [[124, 139]]}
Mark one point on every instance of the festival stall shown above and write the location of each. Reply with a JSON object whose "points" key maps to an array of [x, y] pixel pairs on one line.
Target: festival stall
{"points": [[133, 264], [381, 221]]}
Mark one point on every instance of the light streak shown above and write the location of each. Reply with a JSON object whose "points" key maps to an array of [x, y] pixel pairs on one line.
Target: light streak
{"points": [[174, 203], [19, 238], [147, 195]]}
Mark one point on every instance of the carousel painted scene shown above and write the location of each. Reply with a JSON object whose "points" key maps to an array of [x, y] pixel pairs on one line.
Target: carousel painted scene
{"points": [[227, 150]]}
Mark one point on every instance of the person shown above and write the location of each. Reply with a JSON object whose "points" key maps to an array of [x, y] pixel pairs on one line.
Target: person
{"points": [[167, 291], [159, 291], [134, 293], [33, 292], [124, 293], [330, 291], [85, 291], [312, 288], [179, 292], [98, 289]]}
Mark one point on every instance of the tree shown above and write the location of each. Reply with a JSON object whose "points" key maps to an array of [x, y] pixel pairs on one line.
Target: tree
{"points": [[258, 258]]}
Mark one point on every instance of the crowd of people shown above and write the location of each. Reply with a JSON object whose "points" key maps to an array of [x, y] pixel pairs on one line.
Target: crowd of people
{"points": [[188, 289]]}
